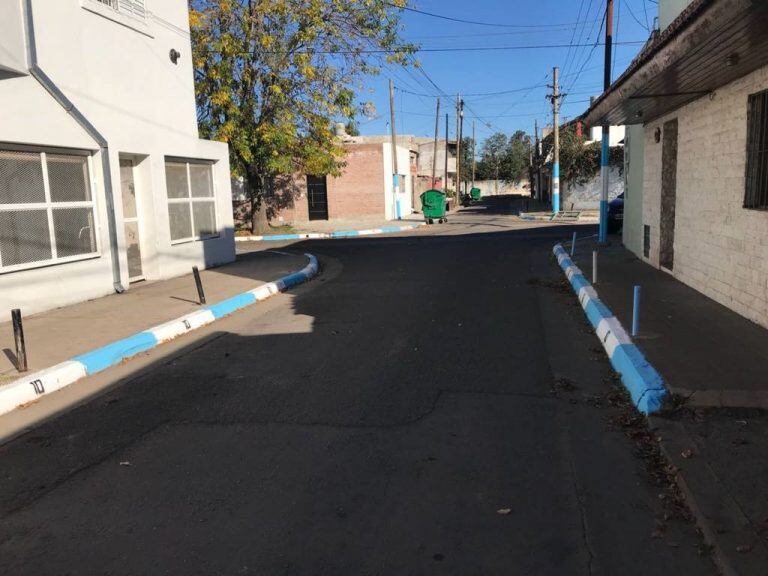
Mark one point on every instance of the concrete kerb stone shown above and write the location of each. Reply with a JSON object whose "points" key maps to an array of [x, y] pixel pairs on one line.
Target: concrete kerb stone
{"points": [[644, 383], [33, 386], [326, 235]]}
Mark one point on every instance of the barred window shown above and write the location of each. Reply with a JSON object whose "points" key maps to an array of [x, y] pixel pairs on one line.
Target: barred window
{"points": [[191, 201], [756, 181], [133, 7], [46, 209]]}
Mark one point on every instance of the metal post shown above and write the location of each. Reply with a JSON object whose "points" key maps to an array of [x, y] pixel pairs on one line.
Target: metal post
{"points": [[434, 150], [473, 154], [594, 266], [395, 176], [636, 312], [605, 150], [18, 337], [536, 157], [458, 148], [556, 137], [199, 284], [573, 244], [445, 175]]}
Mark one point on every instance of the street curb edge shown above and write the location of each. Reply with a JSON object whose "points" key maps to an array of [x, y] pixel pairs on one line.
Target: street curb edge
{"points": [[32, 386], [644, 384], [326, 235]]}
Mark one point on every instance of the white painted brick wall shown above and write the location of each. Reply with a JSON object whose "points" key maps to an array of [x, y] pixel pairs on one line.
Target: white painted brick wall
{"points": [[721, 249]]}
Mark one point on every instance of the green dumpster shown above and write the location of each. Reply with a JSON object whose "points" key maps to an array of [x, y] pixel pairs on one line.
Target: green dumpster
{"points": [[433, 206], [475, 193]]}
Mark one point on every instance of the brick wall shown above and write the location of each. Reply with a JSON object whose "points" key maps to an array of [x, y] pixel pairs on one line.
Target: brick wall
{"points": [[357, 193], [721, 249]]}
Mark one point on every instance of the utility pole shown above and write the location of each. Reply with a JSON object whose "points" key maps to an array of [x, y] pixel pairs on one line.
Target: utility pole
{"points": [[605, 169], [445, 174], [536, 158], [555, 97], [459, 128], [474, 156], [395, 178], [434, 149]]}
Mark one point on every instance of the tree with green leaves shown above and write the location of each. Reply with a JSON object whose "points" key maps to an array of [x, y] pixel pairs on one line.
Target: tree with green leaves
{"points": [[272, 77], [504, 158], [579, 161]]}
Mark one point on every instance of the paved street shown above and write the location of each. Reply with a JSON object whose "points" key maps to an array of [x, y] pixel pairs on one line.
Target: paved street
{"points": [[433, 403]]}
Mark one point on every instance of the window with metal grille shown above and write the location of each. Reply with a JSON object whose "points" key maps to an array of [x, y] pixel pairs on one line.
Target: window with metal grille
{"points": [[756, 180], [191, 201], [133, 7], [46, 209]]}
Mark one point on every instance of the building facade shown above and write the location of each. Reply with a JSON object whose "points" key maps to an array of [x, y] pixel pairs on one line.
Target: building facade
{"points": [[103, 178], [697, 204], [364, 190]]}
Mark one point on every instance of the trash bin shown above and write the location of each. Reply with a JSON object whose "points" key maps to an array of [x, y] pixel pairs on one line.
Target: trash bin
{"points": [[475, 193], [433, 206]]}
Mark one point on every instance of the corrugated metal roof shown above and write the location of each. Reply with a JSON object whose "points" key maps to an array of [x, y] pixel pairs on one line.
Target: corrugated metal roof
{"points": [[711, 43]]}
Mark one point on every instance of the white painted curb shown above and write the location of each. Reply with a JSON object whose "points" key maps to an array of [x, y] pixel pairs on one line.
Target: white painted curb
{"points": [[33, 386]]}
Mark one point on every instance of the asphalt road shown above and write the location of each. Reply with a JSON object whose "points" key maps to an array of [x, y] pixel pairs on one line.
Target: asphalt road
{"points": [[434, 403]]}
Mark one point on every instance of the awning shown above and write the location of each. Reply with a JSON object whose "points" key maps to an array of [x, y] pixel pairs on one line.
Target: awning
{"points": [[711, 43]]}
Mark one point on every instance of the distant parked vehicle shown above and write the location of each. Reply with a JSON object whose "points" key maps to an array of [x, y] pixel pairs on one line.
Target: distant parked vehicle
{"points": [[616, 214]]}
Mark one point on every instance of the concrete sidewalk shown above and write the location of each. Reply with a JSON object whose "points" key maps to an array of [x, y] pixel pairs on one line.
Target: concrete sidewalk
{"points": [[60, 334], [716, 362], [708, 354]]}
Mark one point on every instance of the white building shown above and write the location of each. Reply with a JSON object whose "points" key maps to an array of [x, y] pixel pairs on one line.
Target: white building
{"points": [[103, 179], [696, 101]]}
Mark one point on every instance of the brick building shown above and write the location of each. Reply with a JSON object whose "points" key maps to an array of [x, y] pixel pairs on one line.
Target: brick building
{"points": [[696, 203], [364, 190]]}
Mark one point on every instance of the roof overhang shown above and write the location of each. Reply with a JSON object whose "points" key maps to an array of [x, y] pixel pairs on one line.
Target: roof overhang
{"points": [[711, 43]]}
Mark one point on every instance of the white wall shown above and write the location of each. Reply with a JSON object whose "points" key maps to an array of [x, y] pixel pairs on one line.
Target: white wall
{"points": [[500, 187], [669, 10], [587, 196], [118, 72], [13, 51], [406, 182], [634, 146], [615, 135], [721, 248]]}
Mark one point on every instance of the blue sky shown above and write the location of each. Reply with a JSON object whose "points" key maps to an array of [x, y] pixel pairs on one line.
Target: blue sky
{"points": [[528, 70]]}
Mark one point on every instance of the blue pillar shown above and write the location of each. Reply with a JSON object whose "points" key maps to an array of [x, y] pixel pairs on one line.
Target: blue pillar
{"points": [[396, 196], [556, 187], [604, 172]]}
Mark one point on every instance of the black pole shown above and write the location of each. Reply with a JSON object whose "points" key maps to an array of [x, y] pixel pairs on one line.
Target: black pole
{"points": [[18, 336], [199, 284]]}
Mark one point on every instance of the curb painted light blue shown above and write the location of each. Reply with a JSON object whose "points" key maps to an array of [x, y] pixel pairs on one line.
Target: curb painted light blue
{"points": [[115, 352], [325, 235], [640, 378]]}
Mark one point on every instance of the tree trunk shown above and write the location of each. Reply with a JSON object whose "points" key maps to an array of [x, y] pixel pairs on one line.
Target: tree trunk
{"points": [[259, 220]]}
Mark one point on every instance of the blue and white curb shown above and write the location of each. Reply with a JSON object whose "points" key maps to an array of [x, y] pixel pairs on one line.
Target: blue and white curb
{"points": [[33, 386], [644, 383], [325, 235]]}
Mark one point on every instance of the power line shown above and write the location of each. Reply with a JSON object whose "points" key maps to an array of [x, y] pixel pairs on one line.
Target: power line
{"points": [[475, 22], [636, 19]]}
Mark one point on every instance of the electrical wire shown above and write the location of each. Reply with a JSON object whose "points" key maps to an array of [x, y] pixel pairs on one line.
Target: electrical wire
{"points": [[475, 22]]}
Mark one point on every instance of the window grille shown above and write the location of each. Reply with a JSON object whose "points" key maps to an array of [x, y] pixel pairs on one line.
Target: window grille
{"points": [[756, 180], [133, 7], [47, 211], [191, 200]]}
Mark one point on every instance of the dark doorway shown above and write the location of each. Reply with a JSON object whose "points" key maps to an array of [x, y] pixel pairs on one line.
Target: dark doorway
{"points": [[317, 197], [668, 194]]}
